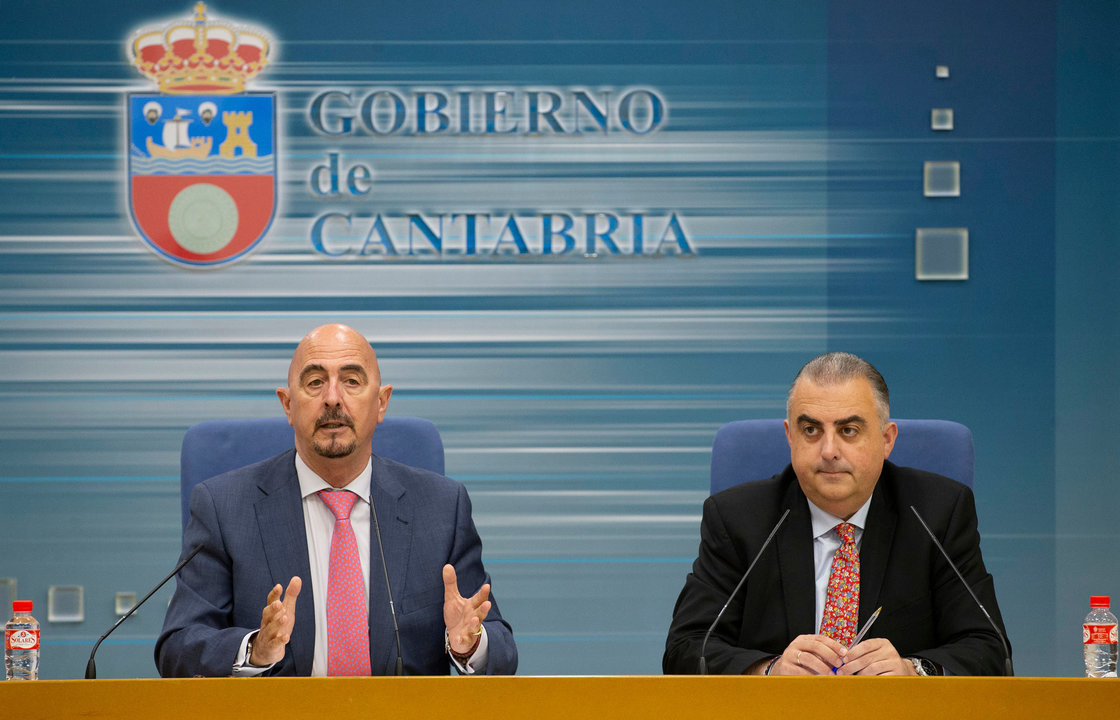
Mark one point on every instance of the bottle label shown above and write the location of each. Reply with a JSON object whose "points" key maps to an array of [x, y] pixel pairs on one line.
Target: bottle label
{"points": [[24, 639], [1099, 634]]}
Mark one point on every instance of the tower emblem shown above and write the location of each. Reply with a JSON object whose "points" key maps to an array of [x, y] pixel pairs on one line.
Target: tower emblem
{"points": [[201, 150]]}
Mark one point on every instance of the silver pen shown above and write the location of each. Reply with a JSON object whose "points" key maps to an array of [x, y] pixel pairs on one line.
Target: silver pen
{"points": [[867, 626], [859, 636]]}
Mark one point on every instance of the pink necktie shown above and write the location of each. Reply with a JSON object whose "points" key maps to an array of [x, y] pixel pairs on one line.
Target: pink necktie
{"points": [[347, 614], [841, 605]]}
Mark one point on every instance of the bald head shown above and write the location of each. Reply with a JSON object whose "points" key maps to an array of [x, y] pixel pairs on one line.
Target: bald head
{"points": [[334, 400], [333, 340]]}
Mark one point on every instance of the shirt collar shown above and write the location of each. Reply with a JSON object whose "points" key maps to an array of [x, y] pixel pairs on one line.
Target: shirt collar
{"points": [[310, 483], [824, 522]]}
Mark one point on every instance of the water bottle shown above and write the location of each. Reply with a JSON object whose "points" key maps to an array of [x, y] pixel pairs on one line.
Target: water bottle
{"points": [[21, 643], [1099, 636]]}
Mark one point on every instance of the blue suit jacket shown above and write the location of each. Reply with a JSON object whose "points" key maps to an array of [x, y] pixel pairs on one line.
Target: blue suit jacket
{"points": [[250, 524]]}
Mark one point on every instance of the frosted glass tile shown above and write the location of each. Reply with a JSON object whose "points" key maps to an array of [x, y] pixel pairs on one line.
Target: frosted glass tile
{"points": [[7, 597], [941, 254], [123, 602], [66, 603], [942, 71], [942, 179], [941, 119]]}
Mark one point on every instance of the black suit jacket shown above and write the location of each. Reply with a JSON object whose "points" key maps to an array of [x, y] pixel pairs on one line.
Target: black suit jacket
{"points": [[926, 611], [250, 524]]}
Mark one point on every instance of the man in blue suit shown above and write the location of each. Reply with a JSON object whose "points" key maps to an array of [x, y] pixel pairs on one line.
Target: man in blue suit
{"points": [[263, 596]]}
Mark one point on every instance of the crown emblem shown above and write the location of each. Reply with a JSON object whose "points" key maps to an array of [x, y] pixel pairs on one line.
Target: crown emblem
{"points": [[200, 55]]}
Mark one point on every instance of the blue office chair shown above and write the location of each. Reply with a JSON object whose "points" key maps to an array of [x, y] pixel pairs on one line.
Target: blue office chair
{"points": [[756, 449], [216, 446]]}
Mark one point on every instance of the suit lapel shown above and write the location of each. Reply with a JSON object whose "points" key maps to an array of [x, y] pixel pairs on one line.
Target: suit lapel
{"points": [[795, 555], [875, 547], [394, 516], [280, 523]]}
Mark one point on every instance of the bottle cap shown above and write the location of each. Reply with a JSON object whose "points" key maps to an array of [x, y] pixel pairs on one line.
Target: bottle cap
{"points": [[1099, 601], [22, 606]]}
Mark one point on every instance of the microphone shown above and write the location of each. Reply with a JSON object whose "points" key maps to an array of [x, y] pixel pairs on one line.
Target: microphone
{"points": [[91, 666], [703, 668], [1006, 651], [384, 569]]}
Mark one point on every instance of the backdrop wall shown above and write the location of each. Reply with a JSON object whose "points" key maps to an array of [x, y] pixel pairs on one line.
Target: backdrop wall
{"points": [[597, 234]]}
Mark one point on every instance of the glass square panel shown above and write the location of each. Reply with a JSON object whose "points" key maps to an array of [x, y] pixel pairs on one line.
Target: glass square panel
{"points": [[941, 254], [942, 179], [66, 603], [941, 119]]}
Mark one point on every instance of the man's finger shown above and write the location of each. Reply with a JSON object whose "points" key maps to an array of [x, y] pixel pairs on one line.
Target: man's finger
{"points": [[831, 644], [481, 596], [450, 585], [274, 594], [825, 655], [815, 664], [290, 595], [869, 647]]}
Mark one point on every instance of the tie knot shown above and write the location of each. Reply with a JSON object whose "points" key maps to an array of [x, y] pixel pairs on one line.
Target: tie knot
{"points": [[340, 502], [846, 531]]}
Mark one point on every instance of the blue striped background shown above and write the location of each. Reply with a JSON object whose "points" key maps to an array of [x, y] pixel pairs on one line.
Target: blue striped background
{"points": [[577, 397]]}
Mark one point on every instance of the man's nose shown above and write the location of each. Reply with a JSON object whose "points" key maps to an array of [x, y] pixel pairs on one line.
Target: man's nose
{"points": [[333, 395], [830, 444]]}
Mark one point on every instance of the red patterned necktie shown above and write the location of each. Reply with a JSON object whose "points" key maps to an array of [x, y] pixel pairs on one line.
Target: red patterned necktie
{"points": [[347, 614], [841, 605]]}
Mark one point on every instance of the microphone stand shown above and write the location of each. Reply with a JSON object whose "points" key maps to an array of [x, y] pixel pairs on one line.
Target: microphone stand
{"points": [[91, 666], [703, 667], [1006, 651]]}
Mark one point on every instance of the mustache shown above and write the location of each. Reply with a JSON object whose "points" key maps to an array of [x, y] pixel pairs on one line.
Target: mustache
{"points": [[334, 415]]}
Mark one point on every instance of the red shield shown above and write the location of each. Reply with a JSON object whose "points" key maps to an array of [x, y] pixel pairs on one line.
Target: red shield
{"points": [[202, 174]]}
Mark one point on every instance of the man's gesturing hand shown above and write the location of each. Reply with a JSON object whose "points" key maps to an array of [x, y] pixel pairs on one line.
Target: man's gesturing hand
{"points": [[277, 620], [463, 616]]}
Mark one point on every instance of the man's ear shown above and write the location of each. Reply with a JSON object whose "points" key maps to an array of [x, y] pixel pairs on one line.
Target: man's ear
{"points": [[285, 396], [890, 434], [384, 393]]}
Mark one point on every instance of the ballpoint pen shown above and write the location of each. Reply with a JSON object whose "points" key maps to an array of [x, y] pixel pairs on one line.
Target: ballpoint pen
{"points": [[863, 631]]}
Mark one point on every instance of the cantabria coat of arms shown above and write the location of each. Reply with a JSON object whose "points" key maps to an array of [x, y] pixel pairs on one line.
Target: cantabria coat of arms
{"points": [[201, 150]]}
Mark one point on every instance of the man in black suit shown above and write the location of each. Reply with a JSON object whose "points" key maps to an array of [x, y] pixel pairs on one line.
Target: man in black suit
{"points": [[840, 436]]}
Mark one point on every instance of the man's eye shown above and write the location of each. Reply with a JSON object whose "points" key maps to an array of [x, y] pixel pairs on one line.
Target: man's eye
{"points": [[851, 431], [810, 430]]}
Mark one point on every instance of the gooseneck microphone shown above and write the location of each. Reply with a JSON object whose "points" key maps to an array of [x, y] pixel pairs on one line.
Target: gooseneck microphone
{"points": [[1006, 651], [91, 666], [703, 668], [384, 569]]}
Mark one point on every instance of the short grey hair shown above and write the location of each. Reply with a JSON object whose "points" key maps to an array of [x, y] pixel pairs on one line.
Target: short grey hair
{"points": [[837, 367]]}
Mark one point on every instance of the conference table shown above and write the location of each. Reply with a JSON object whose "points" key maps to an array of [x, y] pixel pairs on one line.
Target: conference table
{"points": [[567, 697]]}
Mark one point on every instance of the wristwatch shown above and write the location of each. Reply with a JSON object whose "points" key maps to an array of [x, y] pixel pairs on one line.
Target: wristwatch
{"points": [[923, 667], [249, 652]]}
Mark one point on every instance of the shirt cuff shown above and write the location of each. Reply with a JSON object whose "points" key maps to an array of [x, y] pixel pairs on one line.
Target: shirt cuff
{"points": [[241, 666], [476, 663]]}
